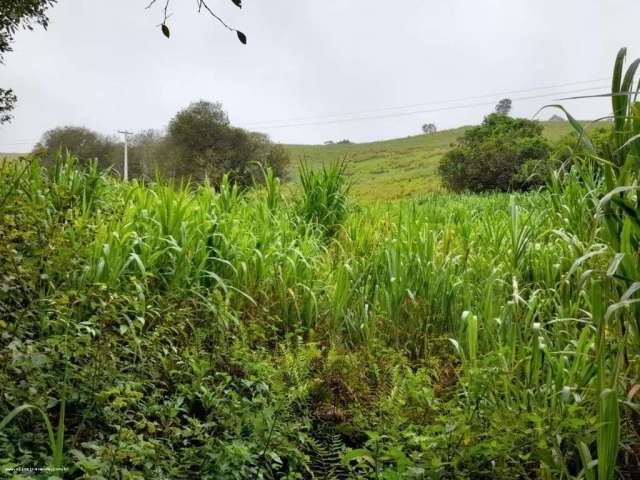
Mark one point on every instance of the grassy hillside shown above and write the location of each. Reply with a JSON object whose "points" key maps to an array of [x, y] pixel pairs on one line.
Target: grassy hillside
{"points": [[398, 168]]}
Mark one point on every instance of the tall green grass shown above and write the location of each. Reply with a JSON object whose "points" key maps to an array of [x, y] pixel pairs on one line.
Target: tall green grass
{"points": [[324, 201], [524, 307]]}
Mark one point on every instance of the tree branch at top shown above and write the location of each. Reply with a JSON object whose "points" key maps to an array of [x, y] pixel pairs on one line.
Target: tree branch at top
{"points": [[202, 4]]}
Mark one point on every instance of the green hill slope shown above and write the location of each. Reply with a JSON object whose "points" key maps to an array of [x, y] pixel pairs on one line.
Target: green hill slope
{"points": [[389, 169], [398, 168]]}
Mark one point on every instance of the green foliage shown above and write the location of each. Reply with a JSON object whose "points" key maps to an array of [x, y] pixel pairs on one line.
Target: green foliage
{"points": [[404, 168], [504, 106], [14, 15], [200, 145], [324, 201], [86, 145], [570, 146], [8, 100], [429, 128], [184, 331], [18, 14], [609, 169], [207, 146], [495, 155]]}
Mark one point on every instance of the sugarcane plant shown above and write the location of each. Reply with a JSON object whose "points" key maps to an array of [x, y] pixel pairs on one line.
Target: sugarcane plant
{"points": [[615, 303]]}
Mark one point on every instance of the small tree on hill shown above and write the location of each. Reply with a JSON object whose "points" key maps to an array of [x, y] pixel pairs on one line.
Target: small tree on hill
{"points": [[495, 155], [504, 106], [429, 128]]}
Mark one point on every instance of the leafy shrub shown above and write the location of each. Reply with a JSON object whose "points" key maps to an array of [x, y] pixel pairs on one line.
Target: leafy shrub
{"points": [[85, 144], [206, 145], [569, 146], [495, 155]]}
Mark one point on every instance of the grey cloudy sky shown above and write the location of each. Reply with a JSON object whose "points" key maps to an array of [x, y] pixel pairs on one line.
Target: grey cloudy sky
{"points": [[104, 63]]}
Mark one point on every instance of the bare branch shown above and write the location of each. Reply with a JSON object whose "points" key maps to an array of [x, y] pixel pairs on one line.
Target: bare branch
{"points": [[202, 4]]}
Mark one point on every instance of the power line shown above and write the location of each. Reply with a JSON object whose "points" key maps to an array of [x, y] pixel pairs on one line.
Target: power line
{"points": [[401, 114], [438, 102], [442, 109]]}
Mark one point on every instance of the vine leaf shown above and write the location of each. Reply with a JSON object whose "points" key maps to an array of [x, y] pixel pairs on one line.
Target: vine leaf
{"points": [[242, 37], [165, 30]]}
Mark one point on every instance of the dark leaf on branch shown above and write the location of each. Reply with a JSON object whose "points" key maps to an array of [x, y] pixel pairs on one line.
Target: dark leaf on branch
{"points": [[237, 3], [242, 37], [165, 31]]}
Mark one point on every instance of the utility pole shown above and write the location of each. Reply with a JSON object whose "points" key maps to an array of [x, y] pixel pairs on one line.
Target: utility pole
{"points": [[126, 134]]}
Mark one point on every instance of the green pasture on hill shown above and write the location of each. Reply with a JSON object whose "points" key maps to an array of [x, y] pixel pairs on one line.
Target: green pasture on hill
{"points": [[394, 169], [388, 169], [9, 155]]}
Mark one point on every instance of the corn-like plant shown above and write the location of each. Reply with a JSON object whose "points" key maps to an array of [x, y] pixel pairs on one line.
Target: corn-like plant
{"points": [[614, 307], [324, 199], [200, 304]]}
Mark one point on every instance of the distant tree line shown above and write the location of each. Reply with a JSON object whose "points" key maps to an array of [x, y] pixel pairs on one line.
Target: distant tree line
{"points": [[199, 142], [344, 141]]}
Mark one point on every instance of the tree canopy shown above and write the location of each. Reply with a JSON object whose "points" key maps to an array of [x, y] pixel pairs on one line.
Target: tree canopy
{"points": [[199, 143], [495, 155], [205, 144], [429, 128], [504, 106], [86, 144], [16, 14]]}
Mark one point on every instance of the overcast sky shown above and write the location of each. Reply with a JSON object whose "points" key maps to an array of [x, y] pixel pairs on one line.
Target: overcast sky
{"points": [[104, 64]]}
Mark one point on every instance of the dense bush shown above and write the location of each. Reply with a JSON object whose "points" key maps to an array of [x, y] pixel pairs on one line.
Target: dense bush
{"points": [[495, 155], [569, 146], [199, 143], [208, 146], [84, 143]]}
